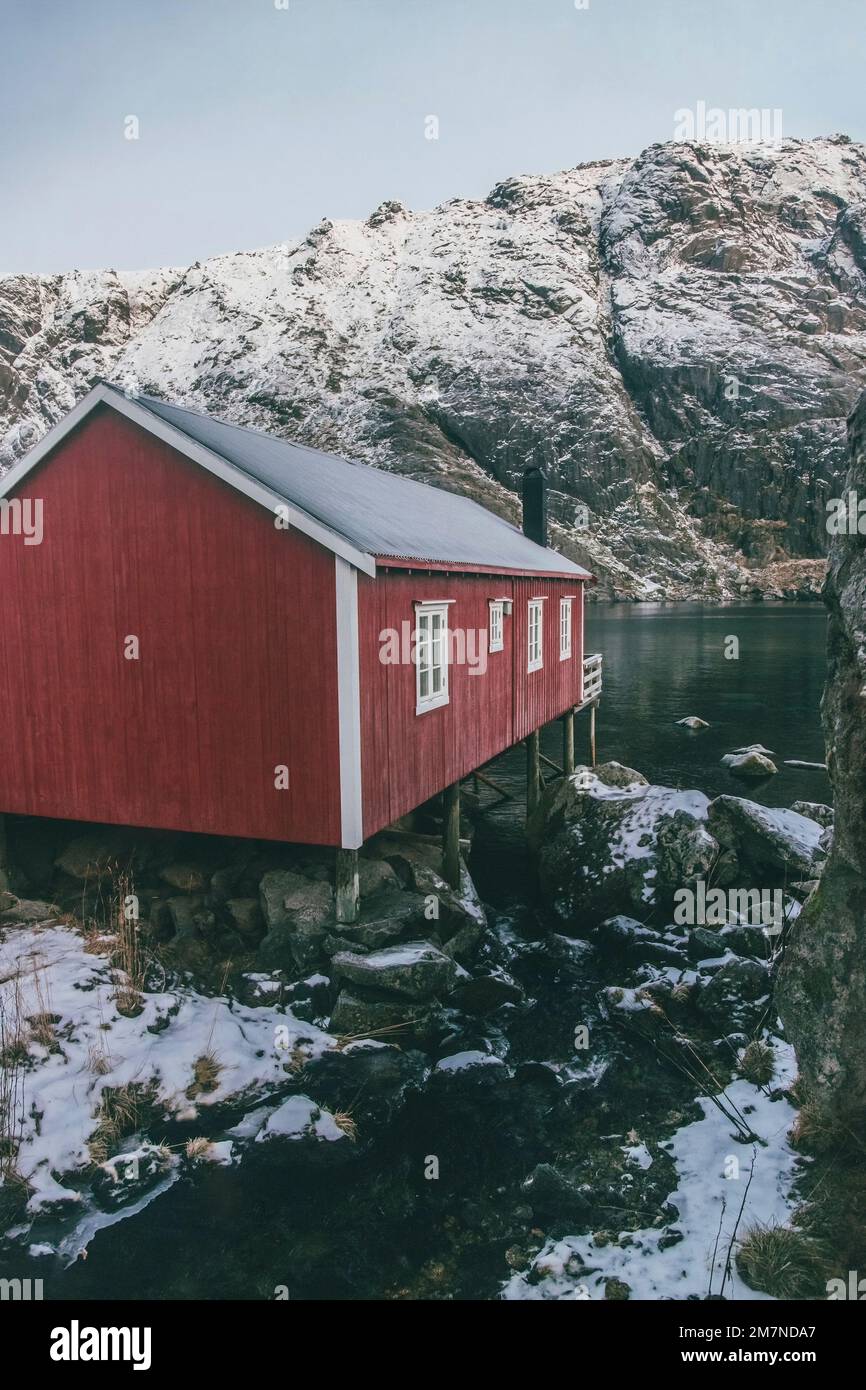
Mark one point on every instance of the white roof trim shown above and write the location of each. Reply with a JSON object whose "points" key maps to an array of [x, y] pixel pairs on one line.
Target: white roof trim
{"points": [[206, 458]]}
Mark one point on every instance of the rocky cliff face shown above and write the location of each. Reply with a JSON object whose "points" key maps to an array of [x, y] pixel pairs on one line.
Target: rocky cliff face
{"points": [[678, 338], [822, 987]]}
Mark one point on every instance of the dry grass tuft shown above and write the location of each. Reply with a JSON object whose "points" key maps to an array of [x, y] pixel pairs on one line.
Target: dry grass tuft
{"points": [[783, 1262], [123, 1110], [297, 1060], [758, 1064], [206, 1074], [818, 1132], [197, 1148], [13, 1059], [343, 1120]]}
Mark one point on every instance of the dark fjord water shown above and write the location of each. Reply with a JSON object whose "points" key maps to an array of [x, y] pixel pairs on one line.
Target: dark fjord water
{"points": [[361, 1232], [664, 662], [667, 662]]}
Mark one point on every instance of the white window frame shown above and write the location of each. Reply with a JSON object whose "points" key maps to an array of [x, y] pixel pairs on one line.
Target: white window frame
{"points": [[436, 695], [565, 629], [535, 628], [497, 625]]}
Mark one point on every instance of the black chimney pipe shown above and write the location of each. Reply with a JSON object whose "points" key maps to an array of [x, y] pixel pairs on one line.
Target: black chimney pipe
{"points": [[535, 504]]}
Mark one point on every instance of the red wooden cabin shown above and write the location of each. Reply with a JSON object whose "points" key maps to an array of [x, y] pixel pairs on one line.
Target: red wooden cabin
{"points": [[205, 628]]}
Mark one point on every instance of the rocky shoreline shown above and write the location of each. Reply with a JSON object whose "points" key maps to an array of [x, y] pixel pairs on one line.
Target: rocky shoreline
{"points": [[529, 1092]]}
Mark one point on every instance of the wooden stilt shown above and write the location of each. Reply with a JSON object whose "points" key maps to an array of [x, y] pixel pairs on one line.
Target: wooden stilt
{"points": [[568, 743], [451, 835], [592, 710], [347, 903], [533, 773]]}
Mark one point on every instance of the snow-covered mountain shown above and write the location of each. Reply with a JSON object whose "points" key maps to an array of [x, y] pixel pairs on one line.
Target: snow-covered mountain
{"points": [[678, 338]]}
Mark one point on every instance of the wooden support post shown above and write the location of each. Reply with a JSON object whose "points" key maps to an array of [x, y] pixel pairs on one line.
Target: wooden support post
{"points": [[568, 743], [533, 773], [451, 835], [592, 710], [347, 885]]}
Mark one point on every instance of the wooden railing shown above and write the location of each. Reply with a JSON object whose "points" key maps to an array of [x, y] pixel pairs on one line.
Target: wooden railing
{"points": [[591, 677]]}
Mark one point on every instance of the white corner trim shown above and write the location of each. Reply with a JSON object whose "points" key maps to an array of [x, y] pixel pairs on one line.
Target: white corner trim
{"points": [[349, 704], [191, 449]]}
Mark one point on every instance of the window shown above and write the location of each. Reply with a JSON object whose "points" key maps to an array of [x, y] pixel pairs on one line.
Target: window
{"points": [[496, 620], [431, 656], [535, 630], [564, 628]]}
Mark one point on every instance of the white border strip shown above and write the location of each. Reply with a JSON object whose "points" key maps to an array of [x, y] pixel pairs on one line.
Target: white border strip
{"points": [[349, 704]]}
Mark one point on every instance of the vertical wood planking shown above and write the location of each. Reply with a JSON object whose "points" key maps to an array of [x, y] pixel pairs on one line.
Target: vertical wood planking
{"points": [[406, 757], [237, 668]]}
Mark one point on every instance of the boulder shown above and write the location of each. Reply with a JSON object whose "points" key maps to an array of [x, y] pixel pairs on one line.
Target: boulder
{"points": [[301, 1131], [359, 1012], [385, 917], [370, 1077], [246, 916], [454, 916], [95, 856], [634, 1008], [766, 842], [187, 878], [744, 939], [821, 990], [374, 875], [625, 936], [416, 969], [737, 994], [607, 842], [692, 721], [469, 1071], [484, 994], [569, 950], [704, 944], [814, 810], [297, 913], [25, 911], [557, 1196], [750, 767], [190, 917]]}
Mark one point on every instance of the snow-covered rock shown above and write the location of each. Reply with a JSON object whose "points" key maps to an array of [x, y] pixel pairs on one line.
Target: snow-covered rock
{"points": [[85, 1054], [766, 839], [677, 338], [605, 849], [750, 767], [415, 969]]}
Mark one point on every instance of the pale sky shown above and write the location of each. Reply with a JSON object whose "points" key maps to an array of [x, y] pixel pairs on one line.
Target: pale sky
{"points": [[256, 121]]}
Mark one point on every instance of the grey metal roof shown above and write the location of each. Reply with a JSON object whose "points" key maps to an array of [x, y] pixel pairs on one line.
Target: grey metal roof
{"points": [[381, 514]]}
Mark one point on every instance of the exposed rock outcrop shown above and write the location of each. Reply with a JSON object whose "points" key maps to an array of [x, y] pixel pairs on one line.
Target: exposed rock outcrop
{"points": [[677, 338], [822, 985], [607, 842]]}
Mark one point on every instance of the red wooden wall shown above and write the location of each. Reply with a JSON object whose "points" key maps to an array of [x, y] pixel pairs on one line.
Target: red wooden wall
{"points": [[237, 668], [407, 758]]}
